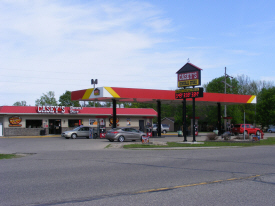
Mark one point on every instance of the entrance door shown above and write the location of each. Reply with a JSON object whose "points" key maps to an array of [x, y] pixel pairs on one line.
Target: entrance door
{"points": [[141, 125], [54, 126]]}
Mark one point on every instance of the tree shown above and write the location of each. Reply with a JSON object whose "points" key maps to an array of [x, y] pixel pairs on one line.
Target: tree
{"points": [[65, 100], [22, 103], [249, 87], [46, 100], [266, 107], [217, 86]]}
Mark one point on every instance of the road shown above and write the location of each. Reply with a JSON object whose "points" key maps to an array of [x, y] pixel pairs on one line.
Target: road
{"points": [[56, 171]]}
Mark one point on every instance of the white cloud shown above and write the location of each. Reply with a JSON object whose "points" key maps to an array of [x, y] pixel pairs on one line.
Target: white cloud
{"points": [[51, 46]]}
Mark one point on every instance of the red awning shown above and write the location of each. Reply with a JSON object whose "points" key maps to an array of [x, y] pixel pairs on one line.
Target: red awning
{"points": [[152, 96]]}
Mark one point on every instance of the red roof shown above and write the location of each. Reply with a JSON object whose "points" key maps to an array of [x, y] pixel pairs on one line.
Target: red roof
{"points": [[153, 95], [84, 111]]}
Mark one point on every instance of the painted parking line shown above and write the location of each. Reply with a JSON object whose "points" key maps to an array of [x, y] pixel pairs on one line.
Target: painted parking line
{"points": [[196, 184]]}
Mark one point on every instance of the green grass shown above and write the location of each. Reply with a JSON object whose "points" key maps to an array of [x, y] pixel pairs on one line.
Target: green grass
{"points": [[7, 156], [269, 141]]}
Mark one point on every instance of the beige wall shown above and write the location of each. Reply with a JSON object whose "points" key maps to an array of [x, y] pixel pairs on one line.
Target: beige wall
{"points": [[123, 120]]}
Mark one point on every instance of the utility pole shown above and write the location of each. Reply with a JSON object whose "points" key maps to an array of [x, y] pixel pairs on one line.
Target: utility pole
{"points": [[225, 84]]}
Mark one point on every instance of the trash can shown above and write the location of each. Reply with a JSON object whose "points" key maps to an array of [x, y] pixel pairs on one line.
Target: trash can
{"points": [[43, 132], [154, 133]]}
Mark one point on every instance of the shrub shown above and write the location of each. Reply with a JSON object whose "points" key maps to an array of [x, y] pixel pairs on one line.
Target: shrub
{"points": [[211, 136], [240, 136]]}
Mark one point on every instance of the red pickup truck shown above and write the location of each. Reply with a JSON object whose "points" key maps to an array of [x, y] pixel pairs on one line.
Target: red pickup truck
{"points": [[249, 129]]}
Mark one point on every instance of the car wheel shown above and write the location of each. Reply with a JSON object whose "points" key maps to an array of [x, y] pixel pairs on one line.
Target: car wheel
{"points": [[87, 137], [164, 132], [121, 139], [245, 133], [269, 131], [258, 133], [111, 140], [74, 136]]}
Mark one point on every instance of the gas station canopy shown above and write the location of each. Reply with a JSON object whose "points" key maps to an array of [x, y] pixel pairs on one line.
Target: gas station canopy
{"points": [[107, 94]]}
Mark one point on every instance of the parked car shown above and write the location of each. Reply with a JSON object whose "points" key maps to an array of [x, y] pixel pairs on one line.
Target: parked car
{"points": [[164, 128], [78, 132], [125, 133], [249, 129], [271, 130]]}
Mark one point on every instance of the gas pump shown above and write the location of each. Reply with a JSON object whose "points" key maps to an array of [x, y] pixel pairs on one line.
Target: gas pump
{"points": [[196, 130], [102, 129], [102, 132], [149, 131], [196, 126]]}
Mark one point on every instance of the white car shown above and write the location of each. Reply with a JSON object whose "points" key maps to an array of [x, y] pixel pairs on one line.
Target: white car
{"points": [[78, 132], [164, 128]]}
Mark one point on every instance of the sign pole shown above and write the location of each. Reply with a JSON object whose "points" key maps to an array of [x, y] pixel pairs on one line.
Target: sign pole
{"points": [[194, 125], [184, 120]]}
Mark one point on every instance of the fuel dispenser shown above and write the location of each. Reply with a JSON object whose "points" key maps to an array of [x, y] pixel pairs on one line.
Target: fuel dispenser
{"points": [[102, 128], [149, 131], [196, 130], [102, 132], [196, 126]]}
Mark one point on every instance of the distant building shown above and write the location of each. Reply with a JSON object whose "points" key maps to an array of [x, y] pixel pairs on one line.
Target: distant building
{"points": [[170, 121]]}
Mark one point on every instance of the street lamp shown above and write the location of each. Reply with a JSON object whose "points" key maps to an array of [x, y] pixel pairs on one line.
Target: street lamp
{"points": [[94, 82]]}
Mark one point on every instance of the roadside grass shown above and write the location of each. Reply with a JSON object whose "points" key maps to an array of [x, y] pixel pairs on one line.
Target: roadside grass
{"points": [[8, 156], [269, 141]]}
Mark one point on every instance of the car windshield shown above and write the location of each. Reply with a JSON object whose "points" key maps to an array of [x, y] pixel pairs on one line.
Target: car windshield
{"points": [[76, 129]]}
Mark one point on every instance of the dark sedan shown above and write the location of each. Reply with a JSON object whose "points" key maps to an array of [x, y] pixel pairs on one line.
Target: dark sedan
{"points": [[125, 133]]}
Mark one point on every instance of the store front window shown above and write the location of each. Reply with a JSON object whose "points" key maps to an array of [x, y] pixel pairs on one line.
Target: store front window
{"points": [[74, 122], [34, 123]]}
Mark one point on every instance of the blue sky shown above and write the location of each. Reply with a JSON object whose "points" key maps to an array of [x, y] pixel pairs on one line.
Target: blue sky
{"points": [[49, 45]]}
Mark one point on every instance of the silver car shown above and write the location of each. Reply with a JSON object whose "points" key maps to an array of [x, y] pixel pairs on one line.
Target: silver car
{"points": [[125, 133], [77, 132]]}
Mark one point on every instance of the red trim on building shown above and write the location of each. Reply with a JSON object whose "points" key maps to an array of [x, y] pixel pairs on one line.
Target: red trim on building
{"points": [[99, 111]]}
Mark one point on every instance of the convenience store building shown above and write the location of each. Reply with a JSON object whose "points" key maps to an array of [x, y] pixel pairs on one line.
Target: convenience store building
{"points": [[53, 120]]}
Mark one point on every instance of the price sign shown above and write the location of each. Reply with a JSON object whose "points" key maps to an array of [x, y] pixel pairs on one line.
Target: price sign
{"points": [[189, 93]]}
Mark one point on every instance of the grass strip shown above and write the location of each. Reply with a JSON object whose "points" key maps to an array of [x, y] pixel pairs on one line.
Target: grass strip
{"points": [[8, 156], [269, 141]]}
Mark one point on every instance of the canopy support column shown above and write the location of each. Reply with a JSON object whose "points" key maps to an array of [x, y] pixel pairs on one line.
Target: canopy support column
{"points": [[159, 118], [114, 113], [219, 119]]}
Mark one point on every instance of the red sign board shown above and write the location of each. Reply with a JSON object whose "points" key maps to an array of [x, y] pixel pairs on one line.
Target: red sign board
{"points": [[189, 93], [188, 76]]}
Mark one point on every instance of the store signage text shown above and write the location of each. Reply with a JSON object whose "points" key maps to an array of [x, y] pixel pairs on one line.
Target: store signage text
{"points": [[189, 79], [74, 110], [51, 109]]}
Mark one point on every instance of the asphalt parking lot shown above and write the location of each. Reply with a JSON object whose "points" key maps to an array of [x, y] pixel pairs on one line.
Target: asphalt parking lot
{"points": [[59, 171], [45, 143]]}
